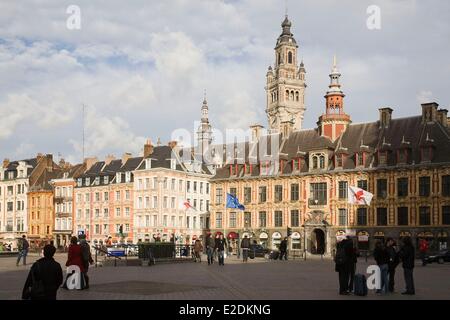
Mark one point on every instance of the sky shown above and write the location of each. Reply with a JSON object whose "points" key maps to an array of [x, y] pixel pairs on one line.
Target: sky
{"points": [[141, 68]]}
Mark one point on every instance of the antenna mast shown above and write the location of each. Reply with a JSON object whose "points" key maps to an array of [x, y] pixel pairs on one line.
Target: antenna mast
{"points": [[83, 132]]}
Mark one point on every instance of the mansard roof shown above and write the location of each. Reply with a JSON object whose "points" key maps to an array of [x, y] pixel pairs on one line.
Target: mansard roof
{"points": [[369, 137]]}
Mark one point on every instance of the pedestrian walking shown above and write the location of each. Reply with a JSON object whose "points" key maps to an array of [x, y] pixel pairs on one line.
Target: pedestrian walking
{"points": [[407, 254], [342, 259], [44, 278], [245, 246], [210, 245], [23, 250], [381, 256], [423, 249], [87, 258], [198, 248], [221, 245], [283, 249], [393, 262]]}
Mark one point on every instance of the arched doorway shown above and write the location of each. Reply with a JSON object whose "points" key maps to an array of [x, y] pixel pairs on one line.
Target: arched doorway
{"points": [[317, 245]]}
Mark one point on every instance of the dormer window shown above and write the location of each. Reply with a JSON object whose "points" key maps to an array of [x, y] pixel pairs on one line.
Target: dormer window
{"points": [[148, 163], [318, 161], [127, 176], [88, 181], [382, 158], [248, 168], [296, 164], [426, 154], [79, 182], [118, 177], [173, 164], [339, 160], [402, 156], [360, 159], [105, 179], [97, 181]]}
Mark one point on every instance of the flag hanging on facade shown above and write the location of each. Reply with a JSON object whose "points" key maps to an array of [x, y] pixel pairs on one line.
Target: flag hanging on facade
{"points": [[186, 205], [233, 202], [359, 196]]}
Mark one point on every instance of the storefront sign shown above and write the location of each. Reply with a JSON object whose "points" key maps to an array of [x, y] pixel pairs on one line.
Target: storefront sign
{"points": [[276, 235], [363, 238], [263, 235], [295, 236]]}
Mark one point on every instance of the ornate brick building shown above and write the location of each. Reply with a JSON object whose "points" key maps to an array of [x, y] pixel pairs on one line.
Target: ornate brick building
{"points": [[303, 184]]}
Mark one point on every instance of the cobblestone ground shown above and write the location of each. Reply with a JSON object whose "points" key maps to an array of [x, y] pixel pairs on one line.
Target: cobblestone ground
{"points": [[257, 279]]}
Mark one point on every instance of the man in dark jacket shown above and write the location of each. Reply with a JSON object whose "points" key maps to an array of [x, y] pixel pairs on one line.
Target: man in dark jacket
{"points": [[87, 258], [407, 255], [352, 266], [220, 247], [23, 250], [283, 249], [245, 245], [393, 262], [382, 258], [46, 271], [344, 251]]}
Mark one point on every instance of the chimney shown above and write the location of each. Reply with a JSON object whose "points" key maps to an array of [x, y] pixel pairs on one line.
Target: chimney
{"points": [[148, 148], [172, 144], [90, 162], [49, 162], [442, 117], [256, 132], [125, 157], [429, 111], [109, 158], [385, 117], [5, 162], [286, 128]]}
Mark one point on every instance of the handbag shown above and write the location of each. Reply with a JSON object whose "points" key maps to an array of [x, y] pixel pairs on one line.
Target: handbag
{"points": [[37, 287]]}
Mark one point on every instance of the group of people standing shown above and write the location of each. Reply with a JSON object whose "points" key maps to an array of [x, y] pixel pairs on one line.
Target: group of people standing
{"points": [[216, 246], [387, 257], [46, 277]]}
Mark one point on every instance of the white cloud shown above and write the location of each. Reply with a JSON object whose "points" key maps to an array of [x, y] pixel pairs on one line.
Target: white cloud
{"points": [[424, 96]]}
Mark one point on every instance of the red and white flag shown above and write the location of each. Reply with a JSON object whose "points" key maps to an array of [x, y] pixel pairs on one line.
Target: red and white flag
{"points": [[186, 205], [359, 196]]}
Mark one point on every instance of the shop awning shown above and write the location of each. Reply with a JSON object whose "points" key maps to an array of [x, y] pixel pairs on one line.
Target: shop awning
{"points": [[233, 235]]}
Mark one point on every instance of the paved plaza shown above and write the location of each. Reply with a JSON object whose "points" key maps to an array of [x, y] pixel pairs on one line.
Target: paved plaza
{"points": [[258, 279]]}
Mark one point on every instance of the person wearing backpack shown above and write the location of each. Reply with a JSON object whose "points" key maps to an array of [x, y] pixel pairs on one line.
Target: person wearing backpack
{"points": [[45, 277], [342, 261], [23, 250]]}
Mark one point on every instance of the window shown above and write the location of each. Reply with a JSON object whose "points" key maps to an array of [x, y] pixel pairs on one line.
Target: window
{"points": [[360, 159], [180, 185], [232, 219], [201, 187], [262, 219], [86, 212], [127, 194], [402, 187], [105, 179], [207, 205], [172, 184], [262, 194], [165, 220], [79, 214], [318, 193], [446, 215], [155, 202], [105, 212], [426, 154], [117, 195], [10, 206], [195, 203], [97, 213], [402, 156], [278, 193], [218, 220], [343, 217], [188, 186], [382, 157], [97, 229], [362, 216], [247, 219], [446, 186], [424, 186], [362, 184], [195, 186], [173, 164], [79, 197], [127, 227], [118, 212], [295, 192], [127, 212], [219, 195], [315, 162], [343, 188], [289, 57], [382, 188], [165, 183], [106, 196], [339, 160], [172, 203], [424, 216], [86, 197], [247, 194], [381, 216], [295, 218], [322, 162], [97, 196], [207, 188], [402, 216], [155, 182], [233, 192], [147, 202], [278, 219]]}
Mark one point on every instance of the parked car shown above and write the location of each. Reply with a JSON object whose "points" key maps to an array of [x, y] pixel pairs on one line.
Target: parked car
{"points": [[441, 257], [257, 250]]}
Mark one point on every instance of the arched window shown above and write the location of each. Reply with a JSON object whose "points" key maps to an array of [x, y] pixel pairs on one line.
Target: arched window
{"points": [[292, 95], [279, 58], [287, 95], [289, 57], [314, 162], [296, 95], [322, 162]]}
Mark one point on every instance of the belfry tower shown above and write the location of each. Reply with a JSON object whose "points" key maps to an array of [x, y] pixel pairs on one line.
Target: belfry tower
{"points": [[285, 88]]}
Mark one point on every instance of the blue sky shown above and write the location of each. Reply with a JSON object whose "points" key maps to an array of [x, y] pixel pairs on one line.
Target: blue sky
{"points": [[141, 67]]}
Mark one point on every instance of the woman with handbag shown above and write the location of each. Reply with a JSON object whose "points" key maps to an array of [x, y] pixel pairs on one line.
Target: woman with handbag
{"points": [[75, 257], [45, 277]]}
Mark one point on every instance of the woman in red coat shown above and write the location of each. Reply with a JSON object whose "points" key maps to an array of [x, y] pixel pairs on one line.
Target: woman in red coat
{"points": [[75, 256]]}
